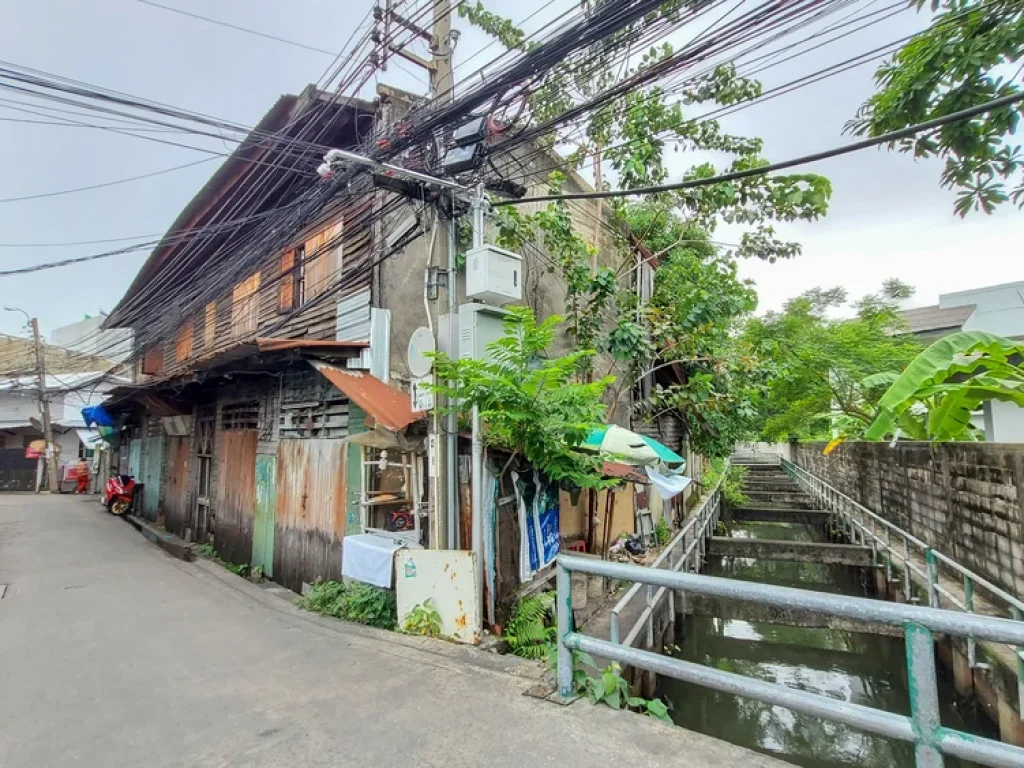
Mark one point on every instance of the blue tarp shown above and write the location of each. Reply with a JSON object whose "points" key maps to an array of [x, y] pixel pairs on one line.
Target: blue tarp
{"points": [[97, 414]]}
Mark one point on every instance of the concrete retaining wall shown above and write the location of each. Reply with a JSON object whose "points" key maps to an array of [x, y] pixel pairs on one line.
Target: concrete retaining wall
{"points": [[964, 499]]}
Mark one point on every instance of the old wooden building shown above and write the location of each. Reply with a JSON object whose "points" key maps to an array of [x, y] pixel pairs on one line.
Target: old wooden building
{"points": [[244, 424]]}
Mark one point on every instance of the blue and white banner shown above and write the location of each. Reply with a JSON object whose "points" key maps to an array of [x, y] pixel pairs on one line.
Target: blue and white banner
{"points": [[539, 539]]}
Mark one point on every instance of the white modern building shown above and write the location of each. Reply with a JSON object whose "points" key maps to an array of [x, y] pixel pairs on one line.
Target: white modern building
{"points": [[997, 309], [87, 337]]}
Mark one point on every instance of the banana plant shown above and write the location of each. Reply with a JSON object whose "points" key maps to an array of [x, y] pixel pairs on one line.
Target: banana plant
{"points": [[936, 394]]}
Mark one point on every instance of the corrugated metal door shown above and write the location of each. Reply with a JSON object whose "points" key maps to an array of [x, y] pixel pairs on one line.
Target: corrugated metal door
{"points": [[310, 510], [152, 474], [236, 494], [176, 510], [266, 504]]}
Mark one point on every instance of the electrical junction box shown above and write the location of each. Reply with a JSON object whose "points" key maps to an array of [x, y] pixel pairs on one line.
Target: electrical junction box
{"points": [[476, 326], [494, 275]]}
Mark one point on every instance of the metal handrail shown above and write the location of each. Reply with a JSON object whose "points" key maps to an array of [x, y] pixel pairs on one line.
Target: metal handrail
{"points": [[708, 512], [856, 528], [922, 728]]}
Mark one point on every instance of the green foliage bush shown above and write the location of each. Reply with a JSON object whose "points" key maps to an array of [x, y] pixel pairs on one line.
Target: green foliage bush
{"points": [[530, 631], [423, 619], [732, 484], [361, 603]]}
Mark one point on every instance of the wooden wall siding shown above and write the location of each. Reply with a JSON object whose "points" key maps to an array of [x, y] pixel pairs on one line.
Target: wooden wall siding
{"points": [[236, 494], [315, 321], [310, 514], [177, 514]]}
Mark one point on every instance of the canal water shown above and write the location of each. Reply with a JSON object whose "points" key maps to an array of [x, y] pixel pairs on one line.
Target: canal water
{"points": [[849, 666]]}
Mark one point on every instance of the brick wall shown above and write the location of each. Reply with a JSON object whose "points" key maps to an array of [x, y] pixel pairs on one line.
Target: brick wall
{"points": [[964, 499]]}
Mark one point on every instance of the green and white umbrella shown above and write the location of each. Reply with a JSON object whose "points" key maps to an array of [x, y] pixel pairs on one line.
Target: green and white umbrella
{"points": [[630, 448]]}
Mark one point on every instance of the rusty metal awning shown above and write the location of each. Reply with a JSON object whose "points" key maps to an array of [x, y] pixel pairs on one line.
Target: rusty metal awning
{"points": [[267, 344], [389, 407], [624, 472]]}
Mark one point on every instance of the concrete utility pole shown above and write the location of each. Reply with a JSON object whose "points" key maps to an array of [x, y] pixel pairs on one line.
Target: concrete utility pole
{"points": [[49, 455], [442, 87]]}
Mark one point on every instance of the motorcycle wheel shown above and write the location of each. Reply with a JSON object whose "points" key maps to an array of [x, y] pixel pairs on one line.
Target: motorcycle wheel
{"points": [[119, 507]]}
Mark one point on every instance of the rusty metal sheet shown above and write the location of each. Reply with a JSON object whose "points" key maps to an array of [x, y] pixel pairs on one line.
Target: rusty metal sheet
{"points": [[176, 508], [445, 577], [310, 511], [236, 494], [389, 407], [624, 471]]}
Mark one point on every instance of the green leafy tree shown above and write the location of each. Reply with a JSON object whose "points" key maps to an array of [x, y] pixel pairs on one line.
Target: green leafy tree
{"points": [[699, 302], [826, 368], [530, 404], [698, 306], [964, 58]]}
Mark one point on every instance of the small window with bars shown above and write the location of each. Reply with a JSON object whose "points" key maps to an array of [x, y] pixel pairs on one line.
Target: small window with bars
{"points": [[240, 415]]}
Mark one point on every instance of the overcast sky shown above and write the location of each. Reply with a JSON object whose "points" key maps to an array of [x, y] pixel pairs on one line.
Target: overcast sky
{"points": [[889, 218]]}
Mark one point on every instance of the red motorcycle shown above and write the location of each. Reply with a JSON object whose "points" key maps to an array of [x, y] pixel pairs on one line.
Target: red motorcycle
{"points": [[119, 494]]}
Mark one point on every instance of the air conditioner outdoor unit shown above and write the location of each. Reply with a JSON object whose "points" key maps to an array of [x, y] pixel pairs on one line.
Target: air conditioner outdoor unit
{"points": [[494, 275]]}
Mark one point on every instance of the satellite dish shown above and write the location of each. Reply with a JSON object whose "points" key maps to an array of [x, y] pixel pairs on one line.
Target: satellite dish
{"points": [[421, 343]]}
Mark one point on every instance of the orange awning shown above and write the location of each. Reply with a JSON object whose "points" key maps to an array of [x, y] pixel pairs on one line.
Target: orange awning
{"points": [[389, 407], [266, 344]]}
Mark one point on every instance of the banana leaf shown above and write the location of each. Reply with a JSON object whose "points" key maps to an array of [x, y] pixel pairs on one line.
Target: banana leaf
{"points": [[993, 358]]}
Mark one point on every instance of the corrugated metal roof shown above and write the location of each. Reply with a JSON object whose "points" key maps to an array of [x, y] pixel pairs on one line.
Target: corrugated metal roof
{"points": [[936, 318], [389, 407]]}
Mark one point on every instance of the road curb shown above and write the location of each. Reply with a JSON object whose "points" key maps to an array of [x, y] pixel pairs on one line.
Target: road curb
{"points": [[168, 542]]}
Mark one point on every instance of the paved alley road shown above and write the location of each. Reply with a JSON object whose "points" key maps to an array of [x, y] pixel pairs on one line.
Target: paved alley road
{"points": [[114, 654]]}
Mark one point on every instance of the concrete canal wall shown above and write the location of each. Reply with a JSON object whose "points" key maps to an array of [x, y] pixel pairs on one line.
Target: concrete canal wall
{"points": [[964, 499]]}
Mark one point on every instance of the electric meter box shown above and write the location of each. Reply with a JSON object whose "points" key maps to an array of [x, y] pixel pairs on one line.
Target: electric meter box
{"points": [[494, 275], [477, 326]]}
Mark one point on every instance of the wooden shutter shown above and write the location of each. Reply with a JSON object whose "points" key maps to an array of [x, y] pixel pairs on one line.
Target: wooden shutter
{"points": [[286, 288], [153, 362], [183, 346], [245, 306]]}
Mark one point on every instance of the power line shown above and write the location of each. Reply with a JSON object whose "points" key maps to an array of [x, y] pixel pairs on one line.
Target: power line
{"points": [[101, 185], [902, 133], [275, 38]]}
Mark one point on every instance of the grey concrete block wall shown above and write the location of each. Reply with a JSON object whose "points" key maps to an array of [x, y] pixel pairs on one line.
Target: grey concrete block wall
{"points": [[964, 499]]}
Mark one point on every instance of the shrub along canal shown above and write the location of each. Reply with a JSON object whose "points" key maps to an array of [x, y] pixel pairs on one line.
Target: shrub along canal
{"points": [[850, 666]]}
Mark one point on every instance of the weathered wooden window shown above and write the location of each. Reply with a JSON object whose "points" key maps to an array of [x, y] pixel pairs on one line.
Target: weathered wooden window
{"points": [[210, 326], [153, 362], [323, 261], [245, 415], [183, 345], [245, 306], [290, 287]]}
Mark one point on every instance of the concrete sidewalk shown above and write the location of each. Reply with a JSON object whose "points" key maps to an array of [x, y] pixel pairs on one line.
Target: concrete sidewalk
{"points": [[115, 654]]}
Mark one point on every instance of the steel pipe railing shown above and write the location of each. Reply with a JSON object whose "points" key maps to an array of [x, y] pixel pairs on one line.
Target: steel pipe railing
{"points": [[922, 728]]}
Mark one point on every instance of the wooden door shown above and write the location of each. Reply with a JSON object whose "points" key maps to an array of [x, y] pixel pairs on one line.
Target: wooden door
{"points": [[236, 494], [176, 509], [266, 504]]}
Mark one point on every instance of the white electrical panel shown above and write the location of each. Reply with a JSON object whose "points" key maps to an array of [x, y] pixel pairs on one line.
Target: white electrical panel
{"points": [[494, 275], [478, 325]]}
